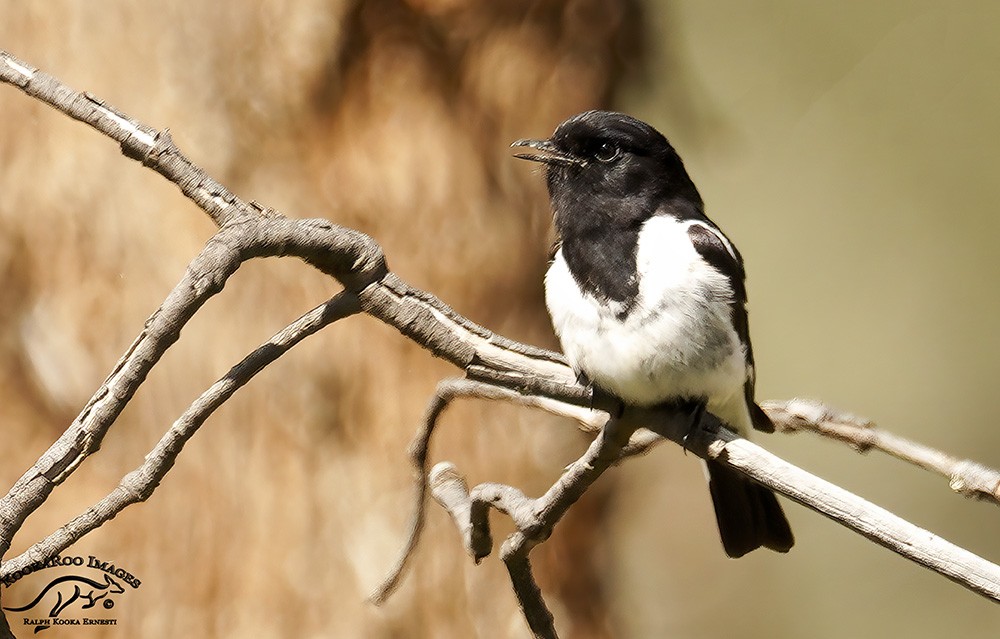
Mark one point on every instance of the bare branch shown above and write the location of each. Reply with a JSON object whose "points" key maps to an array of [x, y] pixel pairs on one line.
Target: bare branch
{"points": [[507, 369], [445, 474], [534, 518], [529, 595], [449, 488], [470, 513], [138, 485], [345, 253], [965, 476], [718, 443], [849, 510], [139, 142], [203, 279], [418, 459]]}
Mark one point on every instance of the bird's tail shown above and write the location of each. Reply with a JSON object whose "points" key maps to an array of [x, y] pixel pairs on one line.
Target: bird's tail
{"points": [[749, 515]]}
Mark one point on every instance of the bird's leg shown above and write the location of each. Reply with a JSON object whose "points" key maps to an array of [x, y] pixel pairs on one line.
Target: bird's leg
{"points": [[696, 411], [601, 399]]}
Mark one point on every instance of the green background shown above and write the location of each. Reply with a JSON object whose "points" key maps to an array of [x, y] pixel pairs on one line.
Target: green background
{"points": [[850, 150]]}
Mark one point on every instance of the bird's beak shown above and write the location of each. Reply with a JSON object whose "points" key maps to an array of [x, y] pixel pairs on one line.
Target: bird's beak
{"points": [[550, 153]]}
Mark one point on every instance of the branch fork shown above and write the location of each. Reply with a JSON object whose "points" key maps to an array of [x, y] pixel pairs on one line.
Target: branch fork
{"points": [[496, 369]]}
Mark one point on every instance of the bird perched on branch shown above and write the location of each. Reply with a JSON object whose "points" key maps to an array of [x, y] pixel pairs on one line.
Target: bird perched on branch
{"points": [[648, 296]]}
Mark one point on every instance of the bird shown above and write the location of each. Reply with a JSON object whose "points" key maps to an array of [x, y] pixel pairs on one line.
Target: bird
{"points": [[647, 296]]}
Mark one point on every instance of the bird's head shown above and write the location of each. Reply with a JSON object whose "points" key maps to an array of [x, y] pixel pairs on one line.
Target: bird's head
{"points": [[610, 159]]}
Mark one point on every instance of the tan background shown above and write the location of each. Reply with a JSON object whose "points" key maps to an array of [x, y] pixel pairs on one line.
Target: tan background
{"points": [[847, 148]]}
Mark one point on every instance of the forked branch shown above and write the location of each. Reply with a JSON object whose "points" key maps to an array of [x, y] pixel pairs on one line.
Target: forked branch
{"points": [[497, 368], [634, 432], [138, 485]]}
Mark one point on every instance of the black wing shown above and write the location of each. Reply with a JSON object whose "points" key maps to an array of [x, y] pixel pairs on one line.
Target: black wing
{"points": [[715, 249]]}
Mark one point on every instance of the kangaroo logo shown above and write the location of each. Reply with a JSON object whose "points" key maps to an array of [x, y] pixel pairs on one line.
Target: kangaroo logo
{"points": [[72, 588]]}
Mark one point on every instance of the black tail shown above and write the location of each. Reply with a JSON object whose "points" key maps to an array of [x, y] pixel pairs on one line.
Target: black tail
{"points": [[748, 514]]}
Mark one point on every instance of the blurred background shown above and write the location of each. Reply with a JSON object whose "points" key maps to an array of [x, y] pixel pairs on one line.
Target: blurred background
{"points": [[847, 148]]}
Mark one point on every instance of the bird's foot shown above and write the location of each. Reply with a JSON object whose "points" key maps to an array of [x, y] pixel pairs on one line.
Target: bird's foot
{"points": [[696, 413], [602, 400]]}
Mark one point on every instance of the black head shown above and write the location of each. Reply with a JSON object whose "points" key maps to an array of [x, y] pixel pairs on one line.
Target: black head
{"points": [[618, 167]]}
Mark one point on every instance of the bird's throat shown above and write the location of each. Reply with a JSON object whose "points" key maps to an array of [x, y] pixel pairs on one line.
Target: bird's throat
{"points": [[603, 263]]}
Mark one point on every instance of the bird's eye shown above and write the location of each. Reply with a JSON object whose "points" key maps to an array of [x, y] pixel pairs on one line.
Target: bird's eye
{"points": [[607, 152]]}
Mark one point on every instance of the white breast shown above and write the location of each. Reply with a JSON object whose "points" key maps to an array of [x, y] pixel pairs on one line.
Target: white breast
{"points": [[676, 342]]}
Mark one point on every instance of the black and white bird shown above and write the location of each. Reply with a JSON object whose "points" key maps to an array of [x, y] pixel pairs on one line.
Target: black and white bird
{"points": [[648, 296]]}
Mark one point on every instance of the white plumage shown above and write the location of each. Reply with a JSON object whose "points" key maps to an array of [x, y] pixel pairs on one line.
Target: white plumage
{"points": [[677, 340]]}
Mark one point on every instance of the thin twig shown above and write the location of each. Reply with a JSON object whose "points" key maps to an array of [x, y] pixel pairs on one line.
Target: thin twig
{"points": [[450, 490], [470, 513], [447, 392], [966, 477], [529, 595], [347, 254], [138, 485], [534, 518], [418, 460], [202, 280]]}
